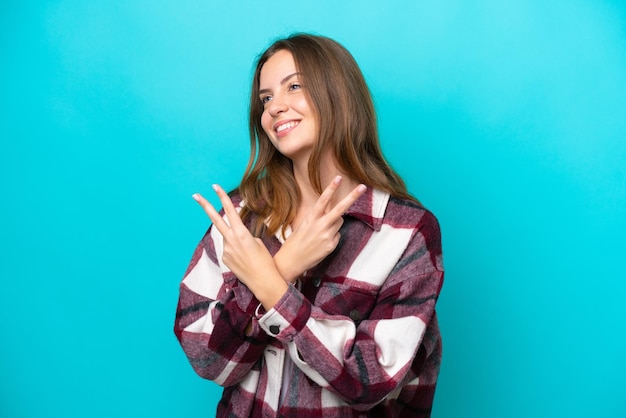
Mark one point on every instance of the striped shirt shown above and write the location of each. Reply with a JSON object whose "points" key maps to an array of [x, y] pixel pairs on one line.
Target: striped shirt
{"points": [[358, 333]]}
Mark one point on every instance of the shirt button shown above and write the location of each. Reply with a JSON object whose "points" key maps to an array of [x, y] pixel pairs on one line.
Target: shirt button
{"points": [[355, 315], [274, 329], [317, 282]]}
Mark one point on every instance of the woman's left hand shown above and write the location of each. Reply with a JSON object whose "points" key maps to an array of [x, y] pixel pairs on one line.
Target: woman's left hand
{"points": [[246, 256]]}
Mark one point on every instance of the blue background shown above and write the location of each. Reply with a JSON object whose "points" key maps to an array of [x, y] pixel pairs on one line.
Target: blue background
{"points": [[507, 119]]}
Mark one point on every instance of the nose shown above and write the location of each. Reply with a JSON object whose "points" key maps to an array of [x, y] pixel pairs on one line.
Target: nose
{"points": [[277, 106]]}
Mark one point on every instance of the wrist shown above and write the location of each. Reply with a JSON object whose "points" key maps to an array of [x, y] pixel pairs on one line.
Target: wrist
{"points": [[286, 269], [270, 291]]}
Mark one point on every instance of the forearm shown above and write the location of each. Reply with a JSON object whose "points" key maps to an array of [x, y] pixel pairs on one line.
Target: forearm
{"points": [[362, 361], [287, 266], [221, 341], [214, 308], [269, 289]]}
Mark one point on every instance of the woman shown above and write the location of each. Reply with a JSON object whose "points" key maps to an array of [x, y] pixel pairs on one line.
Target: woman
{"points": [[313, 293]]}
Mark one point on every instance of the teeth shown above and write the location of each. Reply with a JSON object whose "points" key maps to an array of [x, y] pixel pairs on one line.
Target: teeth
{"points": [[286, 126]]}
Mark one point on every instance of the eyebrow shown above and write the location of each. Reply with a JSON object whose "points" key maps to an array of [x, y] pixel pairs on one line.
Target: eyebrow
{"points": [[283, 81]]}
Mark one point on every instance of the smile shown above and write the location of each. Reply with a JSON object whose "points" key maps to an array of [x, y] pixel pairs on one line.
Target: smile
{"points": [[287, 125]]}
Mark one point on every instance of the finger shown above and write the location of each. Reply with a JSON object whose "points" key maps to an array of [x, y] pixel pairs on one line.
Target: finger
{"points": [[211, 212], [233, 216], [345, 203], [336, 226], [322, 202]]}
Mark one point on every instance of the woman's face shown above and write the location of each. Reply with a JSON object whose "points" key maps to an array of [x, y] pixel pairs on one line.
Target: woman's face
{"points": [[288, 119]]}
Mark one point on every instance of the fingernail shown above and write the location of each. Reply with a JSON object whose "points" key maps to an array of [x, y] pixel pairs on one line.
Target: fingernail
{"points": [[337, 180], [361, 188], [195, 197], [215, 187]]}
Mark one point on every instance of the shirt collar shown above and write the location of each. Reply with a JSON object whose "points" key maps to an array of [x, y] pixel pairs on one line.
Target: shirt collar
{"points": [[370, 208]]}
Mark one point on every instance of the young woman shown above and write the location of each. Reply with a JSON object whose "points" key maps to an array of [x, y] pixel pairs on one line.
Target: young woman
{"points": [[313, 294]]}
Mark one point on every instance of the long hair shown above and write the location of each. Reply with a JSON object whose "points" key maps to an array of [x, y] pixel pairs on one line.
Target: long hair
{"points": [[338, 94]]}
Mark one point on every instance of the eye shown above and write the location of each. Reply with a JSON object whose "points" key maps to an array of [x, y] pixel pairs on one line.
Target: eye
{"points": [[265, 99], [294, 86]]}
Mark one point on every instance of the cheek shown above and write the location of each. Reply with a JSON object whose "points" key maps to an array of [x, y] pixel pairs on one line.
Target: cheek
{"points": [[304, 106]]}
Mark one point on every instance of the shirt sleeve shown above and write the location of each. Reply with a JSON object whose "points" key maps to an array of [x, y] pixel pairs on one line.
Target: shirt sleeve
{"points": [[363, 362], [213, 314]]}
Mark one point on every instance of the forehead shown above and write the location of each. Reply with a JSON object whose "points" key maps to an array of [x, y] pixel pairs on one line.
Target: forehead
{"points": [[277, 67]]}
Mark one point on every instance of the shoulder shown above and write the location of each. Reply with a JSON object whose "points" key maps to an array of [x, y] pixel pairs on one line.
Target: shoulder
{"points": [[240, 202], [236, 198], [409, 213], [249, 216], [426, 233]]}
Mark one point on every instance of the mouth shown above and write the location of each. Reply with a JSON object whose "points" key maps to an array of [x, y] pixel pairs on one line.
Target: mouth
{"points": [[287, 126]]}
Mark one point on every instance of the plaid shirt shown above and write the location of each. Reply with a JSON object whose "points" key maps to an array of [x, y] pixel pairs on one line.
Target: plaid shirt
{"points": [[359, 333]]}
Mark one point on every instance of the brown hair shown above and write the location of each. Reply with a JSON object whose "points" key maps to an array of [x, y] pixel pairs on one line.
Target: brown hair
{"points": [[337, 92]]}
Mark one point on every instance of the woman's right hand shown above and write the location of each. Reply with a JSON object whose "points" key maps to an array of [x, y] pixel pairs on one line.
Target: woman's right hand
{"points": [[317, 235]]}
